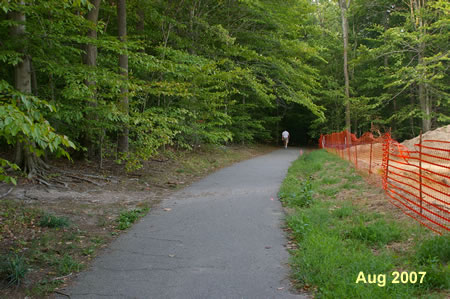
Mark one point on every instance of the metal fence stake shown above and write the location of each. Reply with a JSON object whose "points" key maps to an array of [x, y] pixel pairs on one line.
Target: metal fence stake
{"points": [[420, 171]]}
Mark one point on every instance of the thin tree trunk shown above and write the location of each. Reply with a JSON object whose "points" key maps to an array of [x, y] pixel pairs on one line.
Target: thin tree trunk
{"points": [[90, 59], [411, 119], [420, 26], [344, 7], [141, 18], [34, 84], [123, 66]]}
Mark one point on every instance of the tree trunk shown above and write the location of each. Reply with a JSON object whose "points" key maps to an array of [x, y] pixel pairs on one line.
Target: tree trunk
{"points": [[141, 18], [420, 26], [22, 70], [411, 118], [24, 157], [90, 59], [123, 66], [344, 7]]}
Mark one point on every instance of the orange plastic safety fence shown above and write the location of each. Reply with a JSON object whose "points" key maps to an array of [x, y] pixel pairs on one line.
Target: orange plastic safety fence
{"points": [[416, 180]]}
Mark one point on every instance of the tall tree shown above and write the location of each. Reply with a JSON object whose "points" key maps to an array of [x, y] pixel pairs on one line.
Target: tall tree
{"points": [[418, 8], [123, 66], [24, 157], [90, 59], [344, 5]]}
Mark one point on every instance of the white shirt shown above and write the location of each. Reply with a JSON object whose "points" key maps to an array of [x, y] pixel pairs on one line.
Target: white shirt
{"points": [[285, 134]]}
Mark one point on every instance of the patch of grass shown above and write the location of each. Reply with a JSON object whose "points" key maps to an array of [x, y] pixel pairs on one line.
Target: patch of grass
{"points": [[339, 237], [13, 269], [127, 218], [299, 225], [66, 264], [434, 255], [435, 249], [344, 211], [44, 287], [330, 180], [331, 191], [348, 186], [52, 221], [376, 233], [301, 197]]}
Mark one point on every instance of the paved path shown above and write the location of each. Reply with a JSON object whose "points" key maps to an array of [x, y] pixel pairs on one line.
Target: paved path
{"points": [[221, 239]]}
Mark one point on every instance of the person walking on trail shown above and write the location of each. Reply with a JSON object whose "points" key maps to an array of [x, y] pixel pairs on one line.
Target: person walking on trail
{"points": [[285, 138]]}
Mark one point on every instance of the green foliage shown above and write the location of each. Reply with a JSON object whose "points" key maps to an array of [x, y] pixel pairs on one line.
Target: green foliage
{"points": [[52, 221], [339, 238], [377, 233], [301, 196], [13, 268], [127, 218], [5, 164], [66, 264], [433, 256], [299, 225], [198, 77], [436, 249]]}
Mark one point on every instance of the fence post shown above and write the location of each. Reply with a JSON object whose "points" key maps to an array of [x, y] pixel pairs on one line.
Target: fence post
{"points": [[388, 149], [348, 148], [420, 171], [370, 159], [356, 156]]}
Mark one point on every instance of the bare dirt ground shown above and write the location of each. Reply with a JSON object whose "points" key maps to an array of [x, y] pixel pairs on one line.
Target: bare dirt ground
{"points": [[418, 176], [92, 201]]}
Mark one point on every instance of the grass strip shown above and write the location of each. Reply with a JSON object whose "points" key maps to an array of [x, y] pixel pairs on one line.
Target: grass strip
{"points": [[345, 248]]}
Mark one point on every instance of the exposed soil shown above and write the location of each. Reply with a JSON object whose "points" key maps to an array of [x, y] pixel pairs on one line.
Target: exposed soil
{"points": [[442, 133], [411, 166]]}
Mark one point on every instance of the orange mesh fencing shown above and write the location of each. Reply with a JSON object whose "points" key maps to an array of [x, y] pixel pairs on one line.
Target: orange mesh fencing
{"points": [[416, 180]]}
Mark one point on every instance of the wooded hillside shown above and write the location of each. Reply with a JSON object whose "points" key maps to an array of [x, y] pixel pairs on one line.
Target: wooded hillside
{"points": [[122, 79]]}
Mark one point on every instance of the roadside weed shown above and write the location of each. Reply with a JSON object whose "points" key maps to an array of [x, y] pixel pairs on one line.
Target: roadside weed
{"points": [[13, 268], [52, 221], [127, 218], [338, 236]]}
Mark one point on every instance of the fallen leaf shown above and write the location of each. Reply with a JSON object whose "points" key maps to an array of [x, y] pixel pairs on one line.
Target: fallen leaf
{"points": [[167, 209]]}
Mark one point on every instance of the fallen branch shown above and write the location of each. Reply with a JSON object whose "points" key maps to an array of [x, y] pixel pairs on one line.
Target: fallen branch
{"points": [[83, 179], [72, 175], [62, 277], [97, 177], [161, 161], [61, 293], [43, 182], [29, 197], [66, 185], [9, 191]]}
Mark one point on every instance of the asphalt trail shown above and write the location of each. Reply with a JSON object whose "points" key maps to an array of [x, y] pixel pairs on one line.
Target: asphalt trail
{"points": [[221, 238]]}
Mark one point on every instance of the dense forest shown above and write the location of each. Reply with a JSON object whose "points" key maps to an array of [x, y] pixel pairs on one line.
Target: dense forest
{"points": [[122, 79]]}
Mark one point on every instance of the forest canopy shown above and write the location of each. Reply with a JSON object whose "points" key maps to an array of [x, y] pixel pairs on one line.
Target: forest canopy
{"points": [[125, 78]]}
